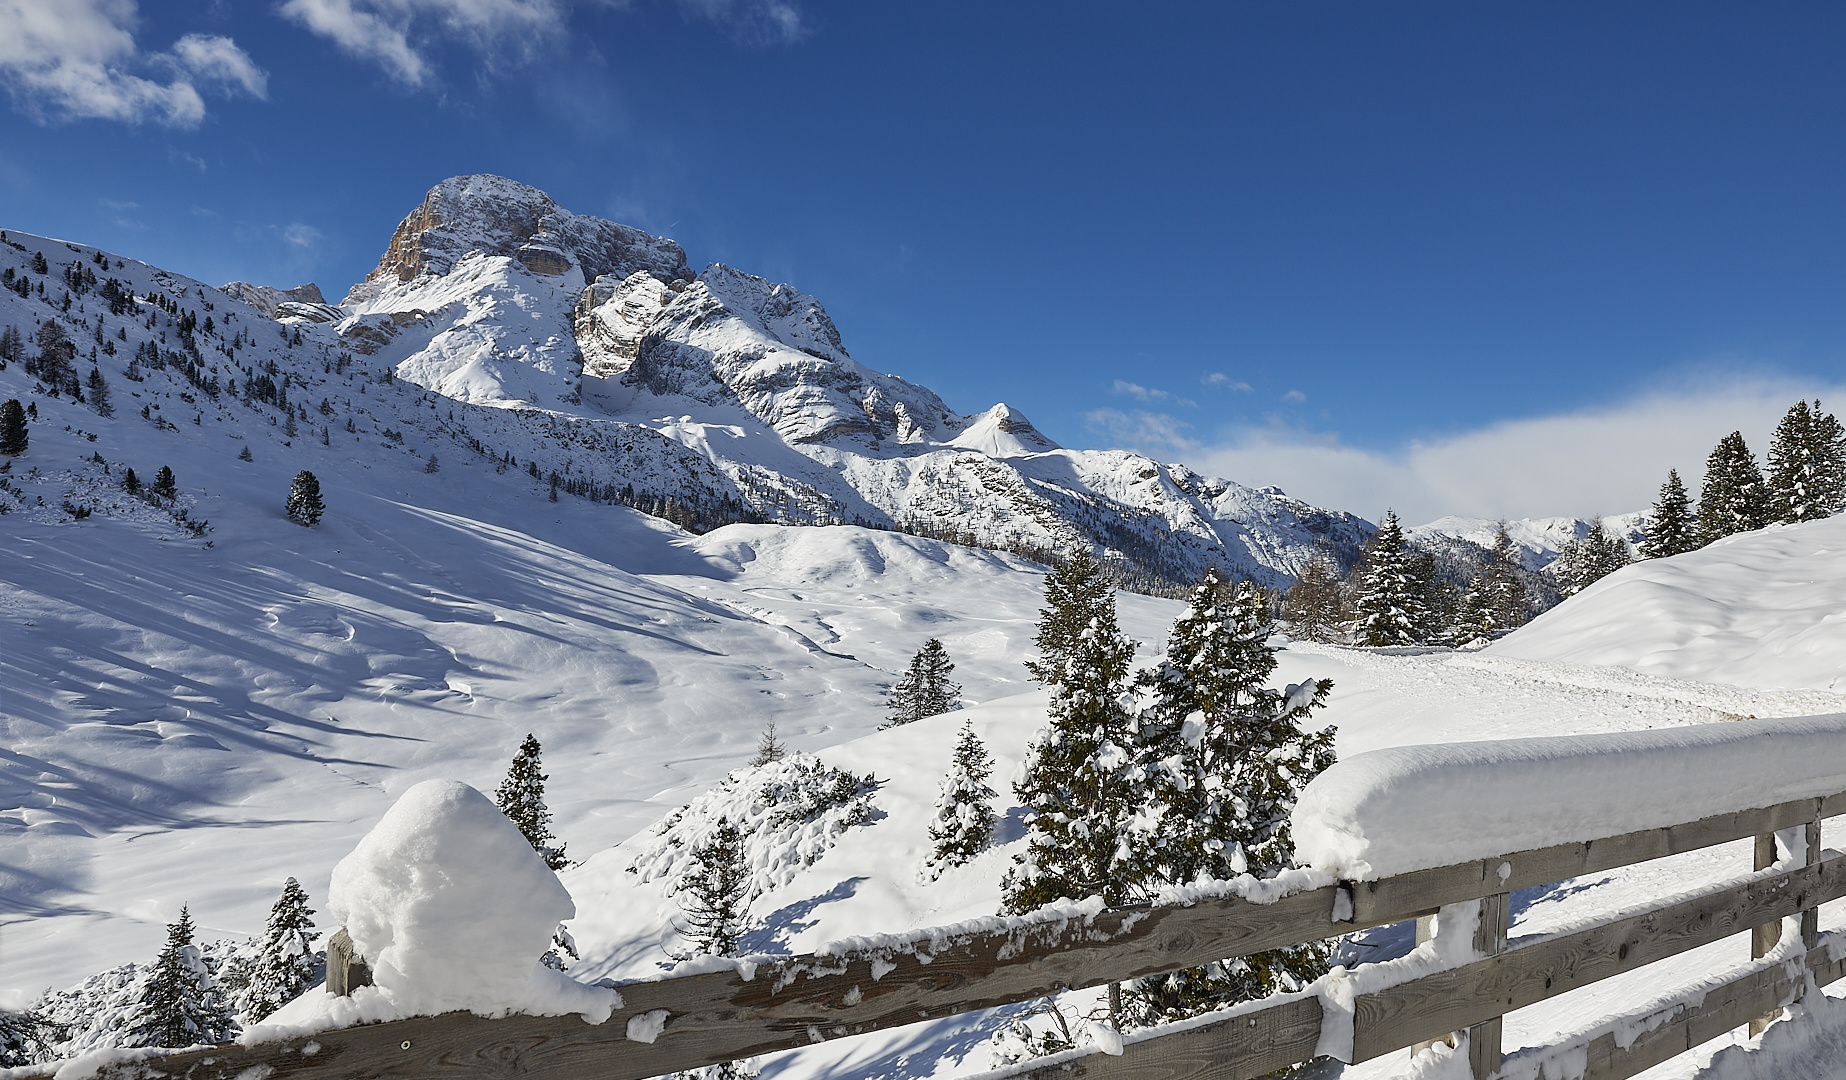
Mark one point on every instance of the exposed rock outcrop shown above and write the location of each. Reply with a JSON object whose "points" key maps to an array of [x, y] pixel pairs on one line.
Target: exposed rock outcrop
{"points": [[267, 299]]}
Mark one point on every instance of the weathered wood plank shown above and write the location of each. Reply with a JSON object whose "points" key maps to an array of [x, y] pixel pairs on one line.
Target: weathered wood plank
{"points": [[1375, 903], [1240, 1048], [1402, 1015], [1723, 1010], [1489, 940]]}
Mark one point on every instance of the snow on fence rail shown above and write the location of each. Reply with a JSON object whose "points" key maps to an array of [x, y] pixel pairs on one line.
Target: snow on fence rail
{"points": [[1465, 982]]}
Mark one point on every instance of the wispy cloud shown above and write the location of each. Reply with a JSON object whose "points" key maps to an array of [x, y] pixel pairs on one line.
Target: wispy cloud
{"points": [[1153, 433], [1124, 388], [1294, 397], [78, 60], [751, 22], [396, 34], [1224, 382], [303, 236]]}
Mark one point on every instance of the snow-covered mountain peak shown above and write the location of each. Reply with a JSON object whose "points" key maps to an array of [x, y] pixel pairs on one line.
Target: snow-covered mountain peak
{"points": [[267, 299], [495, 216], [1002, 432]]}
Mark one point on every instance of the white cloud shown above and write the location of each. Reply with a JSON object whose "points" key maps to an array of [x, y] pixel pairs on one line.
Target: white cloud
{"points": [[751, 22], [1606, 460], [301, 235], [1223, 381], [395, 33], [1294, 397], [77, 59], [1124, 388]]}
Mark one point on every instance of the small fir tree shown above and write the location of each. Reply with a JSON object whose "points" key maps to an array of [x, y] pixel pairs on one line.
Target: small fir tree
{"points": [[12, 344], [1672, 527], [1075, 782], [1388, 609], [1314, 603], [768, 747], [713, 894], [180, 1003], [1732, 499], [304, 502], [99, 393], [431, 466], [164, 484], [522, 799], [925, 688], [1225, 758], [13, 436], [965, 817], [245, 454], [286, 964], [130, 482]]}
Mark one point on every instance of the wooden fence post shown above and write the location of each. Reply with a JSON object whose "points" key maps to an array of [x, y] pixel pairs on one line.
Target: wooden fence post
{"points": [[1489, 940], [1426, 929], [346, 971], [1765, 937]]}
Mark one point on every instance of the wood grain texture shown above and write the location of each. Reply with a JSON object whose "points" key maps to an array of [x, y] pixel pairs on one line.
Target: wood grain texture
{"points": [[1240, 1048], [1489, 940]]}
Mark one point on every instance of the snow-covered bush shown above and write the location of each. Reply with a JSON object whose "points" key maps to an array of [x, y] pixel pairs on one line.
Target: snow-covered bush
{"points": [[788, 813]]}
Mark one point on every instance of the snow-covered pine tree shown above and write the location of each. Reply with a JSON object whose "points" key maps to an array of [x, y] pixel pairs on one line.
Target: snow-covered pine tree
{"points": [[1387, 609], [304, 502], [13, 436], [1587, 560], [925, 688], [964, 823], [1223, 759], [286, 963], [716, 913], [1732, 499], [1672, 527], [521, 797], [768, 747], [1806, 466], [245, 454], [1501, 586], [1075, 780], [180, 1003], [1313, 603]]}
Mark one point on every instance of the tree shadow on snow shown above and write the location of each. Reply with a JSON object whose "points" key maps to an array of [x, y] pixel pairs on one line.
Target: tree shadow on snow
{"points": [[783, 925]]}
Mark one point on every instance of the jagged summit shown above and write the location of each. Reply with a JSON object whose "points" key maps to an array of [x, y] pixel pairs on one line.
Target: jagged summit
{"points": [[495, 216]]}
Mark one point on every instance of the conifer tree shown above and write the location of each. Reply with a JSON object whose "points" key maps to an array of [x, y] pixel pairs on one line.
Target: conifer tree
{"points": [[13, 436], [1672, 527], [925, 688], [768, 747], [286, 964], [713, 894], [245, 454], [1587, 560], [99, 393], [1075, 782], [1225, 758], [12, 344], [1732, 499], [1313, 603], [304, 503], [964, 823], [1388, 609], [130, 482], [1806, 478], [180, 1003], [521, 797], [1502, 589], [53, 365], [165, 485], [25, 1038]]}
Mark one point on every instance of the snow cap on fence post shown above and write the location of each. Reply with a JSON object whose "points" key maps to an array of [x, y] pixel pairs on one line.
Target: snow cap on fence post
{"points": [[451, 908]]}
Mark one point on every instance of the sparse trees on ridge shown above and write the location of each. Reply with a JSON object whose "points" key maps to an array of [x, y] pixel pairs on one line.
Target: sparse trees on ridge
{"points": [[1590, 558], [521, 797], [1806, 478], [925, 688]]}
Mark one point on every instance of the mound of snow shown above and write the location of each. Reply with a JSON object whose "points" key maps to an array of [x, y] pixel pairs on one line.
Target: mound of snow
{"points": [[1413, 807], [1761, 609], [451, 907]]}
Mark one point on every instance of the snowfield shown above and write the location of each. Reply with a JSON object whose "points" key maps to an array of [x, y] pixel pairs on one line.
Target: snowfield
{"points": [[192, 718]]}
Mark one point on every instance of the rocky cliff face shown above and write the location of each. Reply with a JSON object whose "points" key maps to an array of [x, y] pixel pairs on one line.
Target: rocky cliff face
{"points": [[492, 215], [491, 294], [267, 299]]}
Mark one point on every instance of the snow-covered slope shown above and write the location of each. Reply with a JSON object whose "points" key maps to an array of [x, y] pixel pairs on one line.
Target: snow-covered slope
{"points": [[1764, 609]]}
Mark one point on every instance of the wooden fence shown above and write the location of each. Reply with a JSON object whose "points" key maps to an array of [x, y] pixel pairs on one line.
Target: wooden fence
{"points": [[795, 1001]]}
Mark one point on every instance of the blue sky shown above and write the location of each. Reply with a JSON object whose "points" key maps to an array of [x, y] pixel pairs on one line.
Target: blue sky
{"points": [[1373, 253]]}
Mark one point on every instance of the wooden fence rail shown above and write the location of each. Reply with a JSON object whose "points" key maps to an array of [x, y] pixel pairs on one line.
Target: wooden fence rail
{"points": [[797, 1001]]}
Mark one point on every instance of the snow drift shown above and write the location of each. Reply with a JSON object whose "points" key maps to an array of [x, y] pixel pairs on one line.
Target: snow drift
{"points": [[1408, 808], [1763, 609]]}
